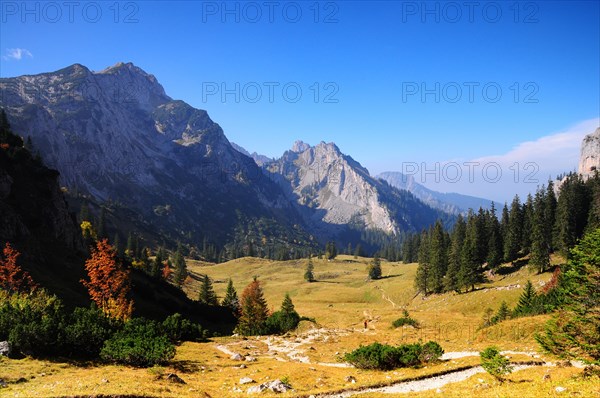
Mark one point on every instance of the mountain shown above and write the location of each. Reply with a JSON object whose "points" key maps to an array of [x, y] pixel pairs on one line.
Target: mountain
{"points": [[258, 158], [333, 192], [115, 136], [589, 160], [452, 203]]}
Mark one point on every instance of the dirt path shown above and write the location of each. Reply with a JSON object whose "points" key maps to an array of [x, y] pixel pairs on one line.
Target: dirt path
{"points": [[424, 384]]}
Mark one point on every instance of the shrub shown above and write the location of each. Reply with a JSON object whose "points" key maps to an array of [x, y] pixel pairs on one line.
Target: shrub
{"points": [[281, 322], [494, 363], [405, 320], [140, 344], [386, 357], [179, 329], [86, 332]]}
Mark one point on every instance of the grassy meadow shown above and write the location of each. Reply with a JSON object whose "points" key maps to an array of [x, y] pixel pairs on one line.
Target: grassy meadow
{"points": [[310, 358]]}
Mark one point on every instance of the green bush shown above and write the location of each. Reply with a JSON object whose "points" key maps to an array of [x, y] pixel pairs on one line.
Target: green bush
{"points": [[179, 329], [281, 322], [494, 363], [86, 332], [386, 357], [405, 320], [139, 344]]}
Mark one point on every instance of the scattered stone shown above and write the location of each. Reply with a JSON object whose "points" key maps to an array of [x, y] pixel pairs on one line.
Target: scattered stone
{"points": [[560, 389], [237, 357], [591, 371], [104, 380], [242, 366], [439, 391], [250, 359], [564, 364], [256, 389], [246, 380], [5, 349], [3, 384], [173, 378], [21, 380], [276, 386], [236, 389], [350, 379]]}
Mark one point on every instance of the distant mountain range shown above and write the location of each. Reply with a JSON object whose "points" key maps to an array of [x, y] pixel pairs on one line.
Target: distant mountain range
{"points": [[117, 138]]}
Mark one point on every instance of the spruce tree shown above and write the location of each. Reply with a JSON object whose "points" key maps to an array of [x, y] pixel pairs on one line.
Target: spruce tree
{"points": [[502, 314], [101, 224], [527, 223], [423, 269], [180, 266], [571, 212], [540, 247], [550, 215], [84, 213], [231, 299], [157, 264], [468, 274], [207, 294], [438, 258], [512, 239], [526, 304], [374, 269], [130, 249], [287, 307], [308, 274], [454, 261], [494, 252]]}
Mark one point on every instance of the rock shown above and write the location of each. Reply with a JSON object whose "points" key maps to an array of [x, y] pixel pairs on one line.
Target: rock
{"points": [[350, 379], [246, 380], [564, 364], [278, 386], [5, 348], [439, 391], [250, 359], [546, 377], [560, 389], [173, 378], [589, 160], [105, 381], [242, 366], [256, 389], [237, 357], [3, 384]]}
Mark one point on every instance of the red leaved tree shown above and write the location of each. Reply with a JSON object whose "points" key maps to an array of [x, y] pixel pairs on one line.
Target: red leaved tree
{"points": [[253, 310], [109, 282], [12, 277], [166, 271]]}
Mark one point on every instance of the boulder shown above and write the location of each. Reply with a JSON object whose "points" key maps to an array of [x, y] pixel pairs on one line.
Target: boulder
{"points": [[5, 348], [246, 380]]}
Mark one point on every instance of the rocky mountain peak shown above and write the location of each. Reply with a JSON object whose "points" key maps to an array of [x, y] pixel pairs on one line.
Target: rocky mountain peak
{"points": [[300, 146], [589, 160]]}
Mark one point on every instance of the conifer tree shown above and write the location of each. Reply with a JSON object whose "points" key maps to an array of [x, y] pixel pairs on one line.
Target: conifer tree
{"points": [[571, 212], [308, 274], [494, 252], [502, 314], [550, 204], [101, 224], [438, 258], [231, 299], [468, 273], [180, 266], [374, 269], [454, 261], [422, 276], [526, 304], [84, 213], [157, 264], [540, 247], [130, 249], [527, 225], [287, 307], [512, 239], [504, 225], [207, 294], [254, 311]]}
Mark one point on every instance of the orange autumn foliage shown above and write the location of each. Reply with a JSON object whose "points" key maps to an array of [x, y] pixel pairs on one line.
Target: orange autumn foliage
{"points": [[166, 271], [12, 277], [108, 283]]}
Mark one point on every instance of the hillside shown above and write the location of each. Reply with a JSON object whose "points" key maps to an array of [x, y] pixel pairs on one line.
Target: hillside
{"points": [[309, 357]]}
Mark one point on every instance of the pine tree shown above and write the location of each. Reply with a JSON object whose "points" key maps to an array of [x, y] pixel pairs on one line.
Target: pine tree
{"points": [[457, 241], [180, 266], [482, 236], [157, 264], [504, 226], [231, 299], [527, 229], [513, 236], [145, 260], [109, 282], [116, 243], [526, 304], [287, 307], [494, 255], [502, 314], [571, 212], [101, 224], [550, 215], [84, 213], [12, 277], [254, 311], [469, 272], [540, 247], [309, 275], [330, 250], [572, 332], [422, 276], [438, 258], [375, 269], [130, 249], [207, 294]]}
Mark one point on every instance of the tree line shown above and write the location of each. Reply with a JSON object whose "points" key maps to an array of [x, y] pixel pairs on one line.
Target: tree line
{"points": [[545, 223]]}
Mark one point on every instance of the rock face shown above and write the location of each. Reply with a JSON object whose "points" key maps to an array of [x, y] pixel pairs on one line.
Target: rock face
{"points": [[115, 135], [331, 190], [453, 203], [589, 160]]}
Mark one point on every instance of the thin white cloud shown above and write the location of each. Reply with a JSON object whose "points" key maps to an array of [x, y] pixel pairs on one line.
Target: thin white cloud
{"points": [[17, 54]]}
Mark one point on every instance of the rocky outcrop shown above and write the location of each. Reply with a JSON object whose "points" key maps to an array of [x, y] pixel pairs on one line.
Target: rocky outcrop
{"points": [[589, 160], [116, 136], [331, 189]]}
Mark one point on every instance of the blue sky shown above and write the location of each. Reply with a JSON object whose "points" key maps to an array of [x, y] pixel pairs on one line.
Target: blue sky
{"points": [[369, 63]]}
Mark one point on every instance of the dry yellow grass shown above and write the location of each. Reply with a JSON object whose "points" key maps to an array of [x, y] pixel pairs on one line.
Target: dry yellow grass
{"points": [[340, 301]]}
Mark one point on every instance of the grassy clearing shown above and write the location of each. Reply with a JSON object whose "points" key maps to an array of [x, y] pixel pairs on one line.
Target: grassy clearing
{"points": [[340, 301]]}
